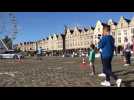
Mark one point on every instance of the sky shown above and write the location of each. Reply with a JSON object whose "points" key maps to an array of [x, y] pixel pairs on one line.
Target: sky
{"points": [[38, 25]]}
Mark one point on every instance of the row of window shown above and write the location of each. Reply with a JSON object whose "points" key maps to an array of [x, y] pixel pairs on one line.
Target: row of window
{"points": [[119, 40], [125, 31], [78, 44], [70, 36]]}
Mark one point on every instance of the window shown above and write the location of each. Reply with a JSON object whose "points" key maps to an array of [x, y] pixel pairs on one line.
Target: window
{"points": [[121, 25], [125, 32], [132, 31], [95, 36], [119, 33], [119, 39], [113, 33], [99, 29]]}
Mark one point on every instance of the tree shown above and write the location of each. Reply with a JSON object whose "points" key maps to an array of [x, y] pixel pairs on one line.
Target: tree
{"points": [[8, 42]]}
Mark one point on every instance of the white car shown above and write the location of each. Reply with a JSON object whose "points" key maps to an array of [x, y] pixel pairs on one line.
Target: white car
{"points": [[11, 54], [66, 55]]}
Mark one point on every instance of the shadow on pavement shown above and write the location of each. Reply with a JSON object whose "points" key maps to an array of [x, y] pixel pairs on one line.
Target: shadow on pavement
{"points": [[129, 72], [128, 83], [119, 71]]}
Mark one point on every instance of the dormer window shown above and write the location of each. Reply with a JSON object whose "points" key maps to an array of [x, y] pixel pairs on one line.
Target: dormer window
{"points": [[99, 29], [121, 25], [132, 30]]}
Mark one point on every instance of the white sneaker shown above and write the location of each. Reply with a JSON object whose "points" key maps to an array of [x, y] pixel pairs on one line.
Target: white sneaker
{"points": [[126, 64], [106, 83], [118, 82], [102, 75], [91, 74]]}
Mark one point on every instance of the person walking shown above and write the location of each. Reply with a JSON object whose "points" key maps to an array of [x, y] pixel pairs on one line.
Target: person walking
{"points": [[127, 52], [39, 53], [100, 51], [107, 46], [133, 44]]}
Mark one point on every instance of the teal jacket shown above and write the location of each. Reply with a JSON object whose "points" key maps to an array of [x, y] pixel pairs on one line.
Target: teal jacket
{"points": [[91, 55]]}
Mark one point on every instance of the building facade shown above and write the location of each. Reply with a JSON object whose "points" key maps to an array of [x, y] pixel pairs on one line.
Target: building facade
{"points": [[80, 38]]}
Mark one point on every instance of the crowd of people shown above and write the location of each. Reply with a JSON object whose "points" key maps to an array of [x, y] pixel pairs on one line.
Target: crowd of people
{"points": [[106, 48]]}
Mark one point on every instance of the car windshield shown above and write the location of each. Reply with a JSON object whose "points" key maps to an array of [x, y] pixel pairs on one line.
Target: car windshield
{"points": [[9, 52]]}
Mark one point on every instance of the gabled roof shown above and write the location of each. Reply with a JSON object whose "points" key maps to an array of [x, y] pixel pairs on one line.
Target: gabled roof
{"points": [[104, 24], [80, 30], [52, 37], [128, 20], [71, 30], [115, 23], [62, 35], [57, 35], [85, 29], [92, 27]]}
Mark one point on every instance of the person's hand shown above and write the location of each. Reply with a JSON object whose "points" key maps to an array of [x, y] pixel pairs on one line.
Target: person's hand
{"points": [[100, 50]]}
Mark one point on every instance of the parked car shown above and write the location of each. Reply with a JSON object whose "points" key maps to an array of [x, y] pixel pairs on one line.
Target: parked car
{"points": [[66, 55], [84, 54], [75, 55], [11, 54]]}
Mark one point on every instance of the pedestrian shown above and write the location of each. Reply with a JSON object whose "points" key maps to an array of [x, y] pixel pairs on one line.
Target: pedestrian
{"points": [[127, 52], [107, 46], [91, 57], [100, 51], [133, 44], [39, 53]]}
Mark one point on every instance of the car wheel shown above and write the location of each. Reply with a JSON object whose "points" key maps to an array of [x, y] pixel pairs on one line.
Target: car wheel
{"points": [[15, 57], [1, 57]]}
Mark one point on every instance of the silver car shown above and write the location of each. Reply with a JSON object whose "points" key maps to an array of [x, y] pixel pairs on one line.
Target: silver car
{"points": [[11, 55]]}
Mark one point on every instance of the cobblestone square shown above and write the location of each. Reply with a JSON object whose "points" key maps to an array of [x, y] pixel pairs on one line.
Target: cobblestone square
{"points": [[58, 72]]}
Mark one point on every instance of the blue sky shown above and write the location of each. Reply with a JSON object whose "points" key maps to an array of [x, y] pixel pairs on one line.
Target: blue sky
{"points": [[38, 25]]}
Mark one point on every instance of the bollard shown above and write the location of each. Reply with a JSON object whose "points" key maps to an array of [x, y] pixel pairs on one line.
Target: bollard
{"points": [[84, 64]]}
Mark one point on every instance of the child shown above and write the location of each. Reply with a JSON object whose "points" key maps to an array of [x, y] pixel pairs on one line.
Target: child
{"points": [[91, 56]]}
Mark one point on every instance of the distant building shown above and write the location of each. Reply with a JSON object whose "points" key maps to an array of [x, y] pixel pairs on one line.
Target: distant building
{"points": [[79, 38]]}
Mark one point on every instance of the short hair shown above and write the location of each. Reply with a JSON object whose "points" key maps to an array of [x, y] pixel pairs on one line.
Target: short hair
{"points": [[92, 46], [107, 27]]}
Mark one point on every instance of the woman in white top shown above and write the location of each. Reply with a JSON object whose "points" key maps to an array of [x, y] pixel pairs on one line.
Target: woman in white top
{"points": [[127, 52]]}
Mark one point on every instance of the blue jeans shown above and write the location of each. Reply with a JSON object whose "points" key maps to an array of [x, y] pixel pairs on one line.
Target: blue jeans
{"points": [[103, 69], [108, 68], [127, 56]]}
